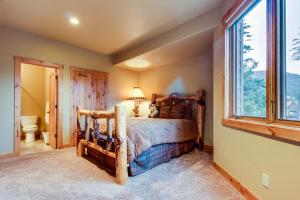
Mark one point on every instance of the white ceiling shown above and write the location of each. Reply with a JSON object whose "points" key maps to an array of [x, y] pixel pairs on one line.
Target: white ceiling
{"points": [[106, 26], [175, 52]]}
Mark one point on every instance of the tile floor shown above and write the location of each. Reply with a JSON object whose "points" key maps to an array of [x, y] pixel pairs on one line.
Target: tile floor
{"points": [[34, 147]]}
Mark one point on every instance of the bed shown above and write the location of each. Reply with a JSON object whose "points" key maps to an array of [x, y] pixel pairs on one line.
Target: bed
{"points": [[134, 145]]}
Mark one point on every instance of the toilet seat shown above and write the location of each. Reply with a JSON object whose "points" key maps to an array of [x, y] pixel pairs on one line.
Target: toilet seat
{"points": [[30, 128]]}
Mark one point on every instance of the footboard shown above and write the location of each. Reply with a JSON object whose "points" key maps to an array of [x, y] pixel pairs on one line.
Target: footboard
{"points": [[90, 137]]}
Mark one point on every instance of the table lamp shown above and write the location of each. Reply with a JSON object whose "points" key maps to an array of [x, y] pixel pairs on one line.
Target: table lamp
{"points": [[137, 96]]}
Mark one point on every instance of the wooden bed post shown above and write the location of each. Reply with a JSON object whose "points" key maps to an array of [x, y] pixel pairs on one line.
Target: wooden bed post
{"points": [[80, 147], [201, 118], [109, 127], [121, 153], [89, 122]]}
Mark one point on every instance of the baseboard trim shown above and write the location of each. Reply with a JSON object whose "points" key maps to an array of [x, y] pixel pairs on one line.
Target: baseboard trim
{"points": [[242, 189], [67, 146], [7, 156], [12, 155], [208, 149]]}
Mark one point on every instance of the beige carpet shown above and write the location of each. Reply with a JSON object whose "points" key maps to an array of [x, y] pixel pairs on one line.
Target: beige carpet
{"points": [[61, 175]]}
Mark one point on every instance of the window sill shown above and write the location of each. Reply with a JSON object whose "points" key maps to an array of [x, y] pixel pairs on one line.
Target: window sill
{"points": [[275, 131]]}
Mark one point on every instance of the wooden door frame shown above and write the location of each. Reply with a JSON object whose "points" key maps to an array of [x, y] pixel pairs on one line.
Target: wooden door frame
{"points": [[18, 60], [73, 136]]}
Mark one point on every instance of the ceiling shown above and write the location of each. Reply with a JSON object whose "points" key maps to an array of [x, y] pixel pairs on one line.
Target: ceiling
{"points": [[174, 52], [106, 26]]}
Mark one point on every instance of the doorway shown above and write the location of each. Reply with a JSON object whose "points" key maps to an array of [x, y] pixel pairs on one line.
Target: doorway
{"points": [[37, 103]]}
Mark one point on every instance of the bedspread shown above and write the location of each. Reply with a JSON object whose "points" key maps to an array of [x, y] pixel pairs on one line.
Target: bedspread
{"points": [[142, 133]]}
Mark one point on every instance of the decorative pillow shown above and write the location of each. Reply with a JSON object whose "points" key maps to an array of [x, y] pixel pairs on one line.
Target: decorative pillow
{"points": [[177, 112], [154, 111], [163, 103], [165, 112]]}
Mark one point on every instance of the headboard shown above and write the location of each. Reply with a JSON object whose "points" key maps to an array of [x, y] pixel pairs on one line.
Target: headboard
{"points": [[175, 97], [198, 99]]}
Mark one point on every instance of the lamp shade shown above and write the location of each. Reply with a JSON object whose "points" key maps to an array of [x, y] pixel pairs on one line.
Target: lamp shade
{"points": [[136, 93]]}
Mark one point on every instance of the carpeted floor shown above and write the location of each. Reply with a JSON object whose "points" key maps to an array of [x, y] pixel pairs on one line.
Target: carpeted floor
{"points": [[62, 175]]}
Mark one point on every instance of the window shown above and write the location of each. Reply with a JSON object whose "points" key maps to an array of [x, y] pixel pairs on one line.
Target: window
{"points": [[289, 61], [248, 44], [262, 75]]}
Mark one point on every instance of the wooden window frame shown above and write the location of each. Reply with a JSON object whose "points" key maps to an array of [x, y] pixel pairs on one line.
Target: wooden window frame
{"points": [[270, 126]]}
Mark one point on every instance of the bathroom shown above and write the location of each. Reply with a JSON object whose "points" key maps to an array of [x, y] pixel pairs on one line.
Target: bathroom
{"points": [[38, 88]]}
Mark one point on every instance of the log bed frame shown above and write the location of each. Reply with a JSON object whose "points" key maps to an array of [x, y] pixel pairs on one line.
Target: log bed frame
{"points": [[119, 114]]}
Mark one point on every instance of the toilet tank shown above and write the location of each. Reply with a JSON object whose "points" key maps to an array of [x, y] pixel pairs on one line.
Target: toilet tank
{"points": [[28, 120]]}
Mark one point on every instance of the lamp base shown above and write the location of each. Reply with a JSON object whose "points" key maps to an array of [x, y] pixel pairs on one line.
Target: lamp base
{"points": [[136, 111]]}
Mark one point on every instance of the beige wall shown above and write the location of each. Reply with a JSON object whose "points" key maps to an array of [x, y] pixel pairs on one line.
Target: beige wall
{"points": [[198, 25], [183, 77], [244, 155], [23, 44], [33, 92]]}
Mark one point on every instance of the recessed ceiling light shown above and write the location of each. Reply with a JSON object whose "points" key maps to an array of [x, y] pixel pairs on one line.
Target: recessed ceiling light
{"points": [[137, 63], [74, 21]]}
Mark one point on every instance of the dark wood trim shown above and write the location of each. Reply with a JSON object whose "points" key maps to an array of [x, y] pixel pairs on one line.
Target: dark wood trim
{"points": [[18, 60], [235, 183], [271, 61]]}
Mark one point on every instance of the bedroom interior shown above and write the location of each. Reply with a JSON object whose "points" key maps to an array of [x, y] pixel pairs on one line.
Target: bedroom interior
{"points": [[193, 99]]}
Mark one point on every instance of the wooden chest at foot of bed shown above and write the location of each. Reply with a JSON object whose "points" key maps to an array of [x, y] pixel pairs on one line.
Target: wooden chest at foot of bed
{"points": [[102, 160]]}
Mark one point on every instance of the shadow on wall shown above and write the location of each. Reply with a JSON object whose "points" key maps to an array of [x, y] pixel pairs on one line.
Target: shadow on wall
{"points": [[176, 85], [32, 98]]}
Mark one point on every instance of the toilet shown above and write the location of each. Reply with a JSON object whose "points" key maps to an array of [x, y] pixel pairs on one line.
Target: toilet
{"points": [[29, 124]]}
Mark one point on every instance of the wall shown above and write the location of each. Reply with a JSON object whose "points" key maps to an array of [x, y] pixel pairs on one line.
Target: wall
{"points": [[202, 23], [33, 97], [244, 155], [183, 77], [24, 44]]}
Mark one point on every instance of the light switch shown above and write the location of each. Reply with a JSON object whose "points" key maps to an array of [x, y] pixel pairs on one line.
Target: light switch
{"points": [[265, 180]]}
